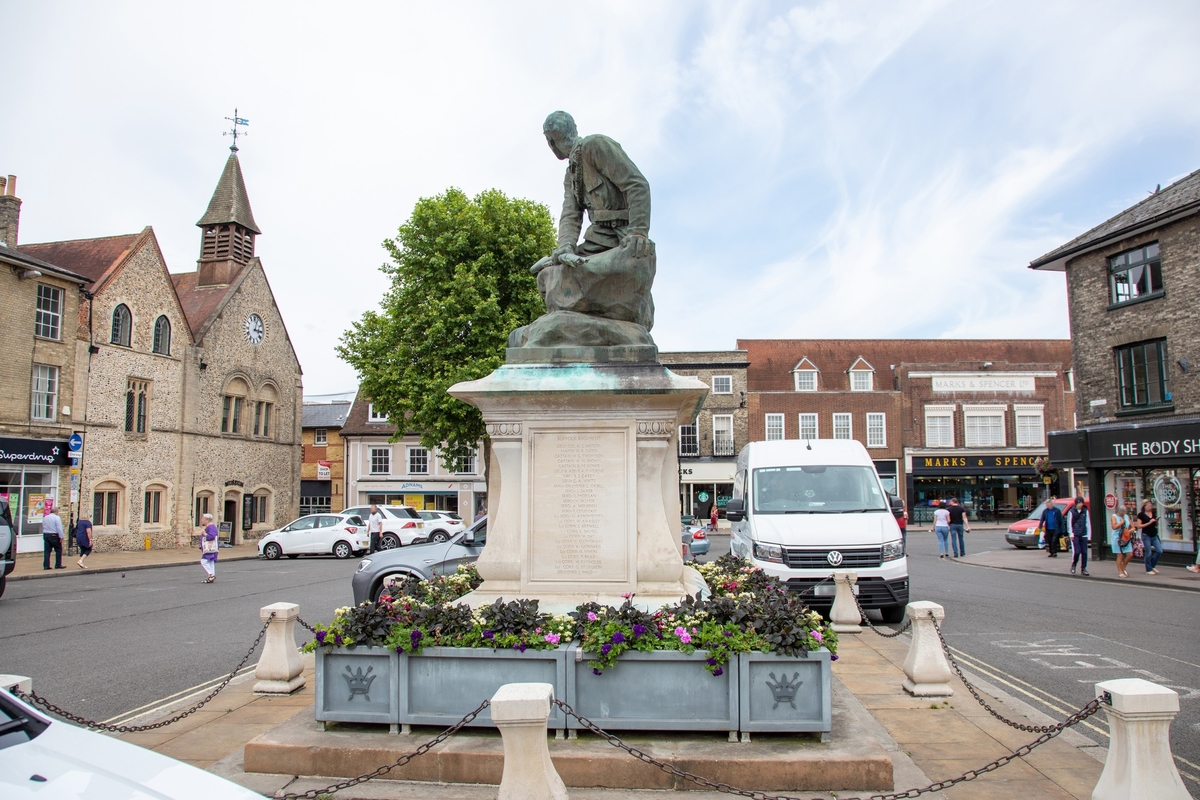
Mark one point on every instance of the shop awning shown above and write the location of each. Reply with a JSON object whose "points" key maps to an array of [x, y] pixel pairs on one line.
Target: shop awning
{"points": [[1147, 444]]}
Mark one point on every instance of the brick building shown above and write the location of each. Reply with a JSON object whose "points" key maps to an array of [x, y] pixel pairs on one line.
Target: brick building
{"points": [[940, 417], [192, 387], [323, 465], [39, 409], [1133, 295], [709, 446], [389, 470]]}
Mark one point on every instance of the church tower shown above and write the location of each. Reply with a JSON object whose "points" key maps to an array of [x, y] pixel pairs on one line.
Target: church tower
{"points": [[228, 226]]}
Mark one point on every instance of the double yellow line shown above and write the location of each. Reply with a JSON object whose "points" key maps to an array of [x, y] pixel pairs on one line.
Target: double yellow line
{"points": [[163, 702], [1049, 701]]}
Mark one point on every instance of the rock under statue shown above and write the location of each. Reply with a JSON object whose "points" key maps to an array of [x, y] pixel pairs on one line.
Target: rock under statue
{"points": [[597, 292]]}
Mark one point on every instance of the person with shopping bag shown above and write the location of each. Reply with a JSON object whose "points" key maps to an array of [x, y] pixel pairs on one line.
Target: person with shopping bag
{"points": [[1052, 523], [1079, 523], [1121, 530]]}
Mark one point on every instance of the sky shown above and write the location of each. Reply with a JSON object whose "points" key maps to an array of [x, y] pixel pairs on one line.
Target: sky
{"points": [[840, 169]]}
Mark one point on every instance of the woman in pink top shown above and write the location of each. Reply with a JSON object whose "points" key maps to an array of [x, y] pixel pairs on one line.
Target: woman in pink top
{"points": [[208, 548]]}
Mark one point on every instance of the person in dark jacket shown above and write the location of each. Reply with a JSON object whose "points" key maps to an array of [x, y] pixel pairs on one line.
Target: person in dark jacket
{"points": [[1052, 523], [83, 538], [1079, 523]]}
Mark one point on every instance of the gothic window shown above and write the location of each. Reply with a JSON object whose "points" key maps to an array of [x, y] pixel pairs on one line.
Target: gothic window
{"points": [[137, 407], [122, 326], [162, 336]]}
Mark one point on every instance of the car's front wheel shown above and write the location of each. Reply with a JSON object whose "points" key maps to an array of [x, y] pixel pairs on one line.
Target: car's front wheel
{"points": [[342, 550], [272, 551], [390, 541], [439, 536], [892, 614]]}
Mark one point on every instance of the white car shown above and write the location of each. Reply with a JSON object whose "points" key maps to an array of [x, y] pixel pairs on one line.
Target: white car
{"points": [[42, 758], [317, 534], [402, 525], [440, 525]]}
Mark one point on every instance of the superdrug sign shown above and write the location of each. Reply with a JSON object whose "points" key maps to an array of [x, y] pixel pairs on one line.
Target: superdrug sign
{"points": [[35, 452]]}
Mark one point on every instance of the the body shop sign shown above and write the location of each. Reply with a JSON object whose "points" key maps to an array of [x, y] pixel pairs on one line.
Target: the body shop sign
{"points": [[1148, 445]]}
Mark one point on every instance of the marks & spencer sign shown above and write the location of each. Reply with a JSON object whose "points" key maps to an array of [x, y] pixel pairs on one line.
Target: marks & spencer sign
{"points": [[34, 452], [971, 465], [983, 382]]}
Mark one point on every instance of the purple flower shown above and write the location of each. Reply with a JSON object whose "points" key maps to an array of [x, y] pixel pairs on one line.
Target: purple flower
{"points": [[416, 636], [605, 649], [337, 639], [712, 662], [618, 637], [596, 671], [321, 636], [639, 630], [833, 657], [591, 616], [488, 634], [399, 648], [718, 672], [521, 647], [728, 633]]}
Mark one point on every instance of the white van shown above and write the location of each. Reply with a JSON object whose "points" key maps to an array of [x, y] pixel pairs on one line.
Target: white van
{"points": [[801, 509]]}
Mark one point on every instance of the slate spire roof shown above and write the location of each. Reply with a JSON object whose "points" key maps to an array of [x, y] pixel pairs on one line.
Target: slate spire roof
{"points": [[229, 202]]}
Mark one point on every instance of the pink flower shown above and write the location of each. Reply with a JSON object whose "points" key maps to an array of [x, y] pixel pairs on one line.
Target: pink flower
{"points": [[627, 595], [817, 635], [553, 638], [591, 616], [683, 635]]}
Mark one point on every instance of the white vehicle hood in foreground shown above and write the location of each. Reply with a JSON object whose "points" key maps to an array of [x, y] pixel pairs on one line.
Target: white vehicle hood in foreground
{"points": [[869, 529], [82, 765]]}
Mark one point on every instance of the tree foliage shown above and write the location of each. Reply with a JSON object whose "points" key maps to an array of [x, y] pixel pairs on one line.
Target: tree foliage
{"points": [[460, 284]]}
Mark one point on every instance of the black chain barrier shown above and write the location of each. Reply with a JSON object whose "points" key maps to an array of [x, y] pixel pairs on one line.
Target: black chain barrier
{"points": [[970, 775], [889, 634], [36, 699], [310, 628], [312, 794]]}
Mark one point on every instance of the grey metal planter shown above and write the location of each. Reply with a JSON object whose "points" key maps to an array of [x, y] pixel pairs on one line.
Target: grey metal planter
{"points": [[356, 685], [441, 685], [781, 693], [663, 690]]}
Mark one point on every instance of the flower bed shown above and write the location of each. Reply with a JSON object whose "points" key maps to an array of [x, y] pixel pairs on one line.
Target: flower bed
{"points": [[745, 613]]}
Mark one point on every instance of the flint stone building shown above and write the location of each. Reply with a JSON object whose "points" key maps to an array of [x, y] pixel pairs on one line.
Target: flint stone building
{"points": [[193, 389], [1133, 295]]}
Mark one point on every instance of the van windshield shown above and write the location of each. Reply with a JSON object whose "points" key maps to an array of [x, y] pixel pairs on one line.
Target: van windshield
{"points": [[817, 490]]}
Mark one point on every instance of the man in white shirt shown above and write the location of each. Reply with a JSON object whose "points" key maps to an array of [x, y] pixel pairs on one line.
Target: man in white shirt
{"points": [[375, 528], [52, 536]]}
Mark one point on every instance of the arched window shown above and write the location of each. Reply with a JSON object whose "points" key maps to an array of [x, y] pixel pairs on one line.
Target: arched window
{"points": [[232, 401], [122, 325], [108, 504], [162, 336]]}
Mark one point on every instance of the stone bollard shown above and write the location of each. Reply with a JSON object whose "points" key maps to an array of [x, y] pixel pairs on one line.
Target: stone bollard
{"points": [[7, 682], [521, 711], [1139, 762], [279, 670], [926, 671], [845, 615]]}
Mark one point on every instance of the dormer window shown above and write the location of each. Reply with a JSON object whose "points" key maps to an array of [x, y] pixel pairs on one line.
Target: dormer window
{"points": [[862, 376], [373, 415], [805, 375]]}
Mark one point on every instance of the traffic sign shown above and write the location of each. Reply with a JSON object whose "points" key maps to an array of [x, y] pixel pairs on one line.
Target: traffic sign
{"points": [[75, 443]]}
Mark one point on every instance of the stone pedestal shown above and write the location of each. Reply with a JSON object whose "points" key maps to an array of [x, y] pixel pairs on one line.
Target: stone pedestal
{"points": [[583, 483], [520, 711], [926, 670], [1139, 762], [279, 670], [844, 615]]}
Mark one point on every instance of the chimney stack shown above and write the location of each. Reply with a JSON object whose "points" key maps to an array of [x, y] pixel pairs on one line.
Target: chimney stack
{"points": [[10, 210]]}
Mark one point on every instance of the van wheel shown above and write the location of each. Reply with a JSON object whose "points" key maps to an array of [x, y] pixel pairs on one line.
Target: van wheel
{"points": [[893, 615]]}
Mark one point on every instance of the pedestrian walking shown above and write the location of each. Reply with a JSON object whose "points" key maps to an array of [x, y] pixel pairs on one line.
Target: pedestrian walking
{"points": [[902, 521], [52, 536], [208, 547], [83, 538], [375, 528], [1079, 523], [712, 518], [941, 526], [1052, 524], [1152, 547], [1121, 530], [958, 523]]}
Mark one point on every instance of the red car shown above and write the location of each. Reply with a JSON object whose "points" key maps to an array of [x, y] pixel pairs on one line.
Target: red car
{"points": [[1024, 533]]}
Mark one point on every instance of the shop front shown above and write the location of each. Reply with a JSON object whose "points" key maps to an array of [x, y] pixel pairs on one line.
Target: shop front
{"points": [[993, 486], [29, 480], [703, 483], [1155, 461], [316, 497], [464, 498]]}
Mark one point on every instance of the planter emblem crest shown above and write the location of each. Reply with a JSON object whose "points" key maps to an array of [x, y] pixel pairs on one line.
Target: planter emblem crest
{"points": [[360, 682], [784, 690]]}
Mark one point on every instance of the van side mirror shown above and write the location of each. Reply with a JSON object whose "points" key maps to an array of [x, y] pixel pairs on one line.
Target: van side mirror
{"points": [[897, 506], [735, 510]]}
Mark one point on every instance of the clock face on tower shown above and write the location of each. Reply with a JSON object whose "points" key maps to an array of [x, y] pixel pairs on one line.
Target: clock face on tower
{"points": [[254, 329]]}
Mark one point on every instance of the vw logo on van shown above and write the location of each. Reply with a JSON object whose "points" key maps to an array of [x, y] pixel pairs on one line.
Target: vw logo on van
{"points": [[834, 558]]}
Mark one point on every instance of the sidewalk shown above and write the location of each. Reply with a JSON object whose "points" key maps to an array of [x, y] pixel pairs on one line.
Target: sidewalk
{"points": [[29, 565], [1038, 562], [930, 739]]}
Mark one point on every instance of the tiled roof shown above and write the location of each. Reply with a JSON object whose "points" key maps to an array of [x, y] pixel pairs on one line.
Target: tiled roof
{"points": [[229, 202], [323, 415], [14, 256], [356, 421], [772, 360], [94, 259], [1179, 198]]}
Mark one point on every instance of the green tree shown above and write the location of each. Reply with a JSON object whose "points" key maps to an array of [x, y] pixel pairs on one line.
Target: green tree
{"points": [[460, 285]]}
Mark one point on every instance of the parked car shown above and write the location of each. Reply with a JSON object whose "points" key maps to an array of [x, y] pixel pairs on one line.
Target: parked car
{"points": [[8, 548], [378, 571], [43, 757], [440, 525], [402, 525], [317, 534], [695, 537], [1024, 532]]}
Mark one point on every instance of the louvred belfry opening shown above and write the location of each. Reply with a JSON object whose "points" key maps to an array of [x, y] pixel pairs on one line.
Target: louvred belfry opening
{"points": [[228, 229]]}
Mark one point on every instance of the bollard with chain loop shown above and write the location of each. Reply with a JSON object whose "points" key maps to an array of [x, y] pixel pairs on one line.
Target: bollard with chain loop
{"points": [[890, 634], [36, 699], [970, 775], [312, 794]]}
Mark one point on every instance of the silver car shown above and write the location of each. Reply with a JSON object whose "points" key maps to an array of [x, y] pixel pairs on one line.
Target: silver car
{"points": [[422, 561]]}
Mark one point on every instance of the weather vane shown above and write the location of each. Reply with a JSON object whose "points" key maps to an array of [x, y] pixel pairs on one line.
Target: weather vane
{"points": [[234, 132]]}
